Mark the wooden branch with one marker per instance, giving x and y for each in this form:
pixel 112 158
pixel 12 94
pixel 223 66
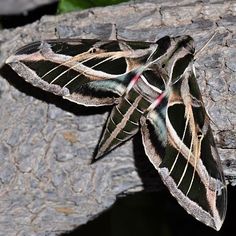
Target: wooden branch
pixel 46 181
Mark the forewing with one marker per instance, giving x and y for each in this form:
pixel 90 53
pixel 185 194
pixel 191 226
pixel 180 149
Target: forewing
pixel 88 72
pixel 183 151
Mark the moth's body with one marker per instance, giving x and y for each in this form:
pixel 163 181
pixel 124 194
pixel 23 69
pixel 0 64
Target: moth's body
pixel 138 99
pixel 153 88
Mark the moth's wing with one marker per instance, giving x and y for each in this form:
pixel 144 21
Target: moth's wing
pixel 154 134
pixel 179 143
pixel 88 72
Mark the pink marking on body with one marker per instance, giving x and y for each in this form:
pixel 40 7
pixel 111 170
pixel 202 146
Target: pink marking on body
pixel 157 101
pixel 159 98
pixel 133 81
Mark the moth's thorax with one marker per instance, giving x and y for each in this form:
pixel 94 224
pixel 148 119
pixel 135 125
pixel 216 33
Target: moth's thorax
pixel 145 88
pixel 176 55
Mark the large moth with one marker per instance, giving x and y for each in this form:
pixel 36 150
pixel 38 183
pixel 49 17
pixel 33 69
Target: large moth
pixel 152 87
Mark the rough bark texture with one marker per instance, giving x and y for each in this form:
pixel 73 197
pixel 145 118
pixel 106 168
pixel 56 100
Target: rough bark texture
pixel 47 185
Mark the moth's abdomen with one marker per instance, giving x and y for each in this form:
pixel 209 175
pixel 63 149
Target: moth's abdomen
pixel 123 123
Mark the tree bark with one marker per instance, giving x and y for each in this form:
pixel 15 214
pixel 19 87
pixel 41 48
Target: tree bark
pixel 47 184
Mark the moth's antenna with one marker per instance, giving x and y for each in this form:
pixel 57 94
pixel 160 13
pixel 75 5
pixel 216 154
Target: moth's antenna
pixel 114 32
pixel 206 44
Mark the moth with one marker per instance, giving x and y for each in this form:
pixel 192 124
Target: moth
pixel 152 87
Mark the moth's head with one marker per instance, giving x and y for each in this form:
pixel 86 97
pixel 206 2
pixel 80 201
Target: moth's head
pixel 175 56
pixel 185 42
pixel 168 44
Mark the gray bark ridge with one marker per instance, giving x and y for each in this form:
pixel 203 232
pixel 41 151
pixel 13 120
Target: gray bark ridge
pixel 47 184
